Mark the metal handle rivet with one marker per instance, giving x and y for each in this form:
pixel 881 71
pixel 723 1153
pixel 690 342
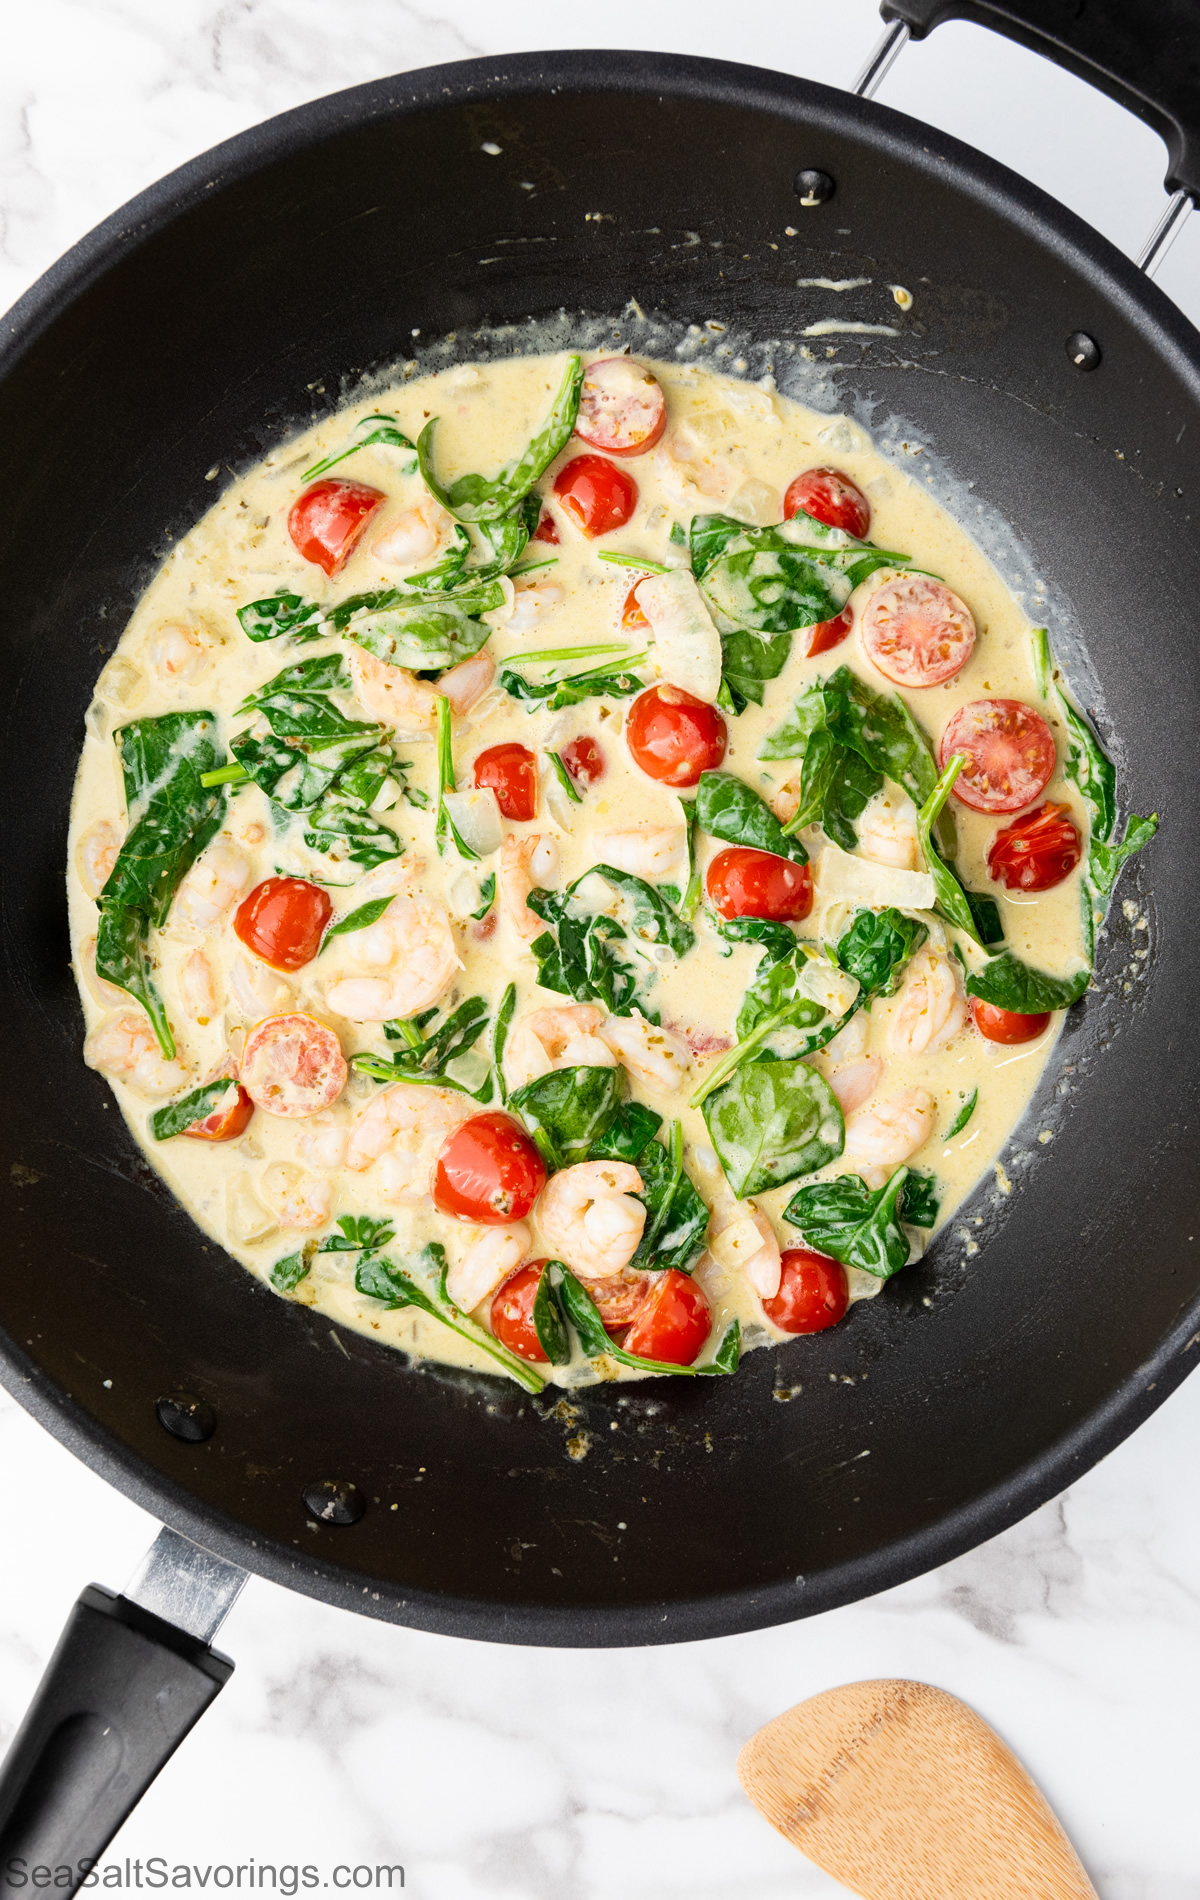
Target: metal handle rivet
pixel 1083 350
pixel 334 1501
pixel 186 1417
pixel 814 188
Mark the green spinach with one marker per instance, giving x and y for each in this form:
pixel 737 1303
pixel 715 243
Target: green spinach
pixel 576 958
pixel 281 613
pixel 425 639
pixel 553 695
pixel 568 1111
pixel 876 947
pixel 381 1279
pixel 177 1117
pixel 971 911
pixel 727 809
pixel 964 1115
pixel 676 1216
pixel 548 1321
pixel 482 498
pixel 360 919
pixel 861 1227
pixel 381 429
pixel 427 1057
pixel 1010 984
pixel 772 1121
pixel 627 1134
pixel 596 1342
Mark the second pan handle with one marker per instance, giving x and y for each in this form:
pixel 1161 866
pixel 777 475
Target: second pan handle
pixel 1145 54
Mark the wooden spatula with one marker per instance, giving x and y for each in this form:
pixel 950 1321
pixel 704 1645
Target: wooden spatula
pixel 901 1792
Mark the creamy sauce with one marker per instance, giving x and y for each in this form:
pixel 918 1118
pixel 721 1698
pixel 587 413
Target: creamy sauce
pixel 745 445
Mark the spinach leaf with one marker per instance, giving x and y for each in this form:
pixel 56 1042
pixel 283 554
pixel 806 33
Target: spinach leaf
pixel 1090 768
pixel 358 1233
pixel 651 917
pixel 487 896
pixel 772 589
pixel 748 661
pixel 424 639
pixel 921 1201
pixel 727 809
pixel 880 728
pixel 508 535
pixel 776 993
pixel 376 428
pixel 964 1115
pixel 861 1228
pixel 381 1279
pixel 287 1273
pixel 446 831
pixel 279 614
pixel 568 1110
pixel 341 825
pixel 1011 984
pixel 504 1016
pixel 295 773
pixel 850 786
pixel 596 1342
pixel 876 947
pixel 485 498
pixel 179 1116
pixel 553 695
pixel 676 1216
pixel 1043 665
pixel 850 739
pixel 325 673
pixel 1105 860
pixel 548 1321
pixel 360 919
pixel 772 1121
pixel 707 539
pixel 476 595
pixel 972 911
pixel 426 1058
pixel 564 778
pixel 121 937
pixel 578 960
pixel 777 939
pixel 627 1134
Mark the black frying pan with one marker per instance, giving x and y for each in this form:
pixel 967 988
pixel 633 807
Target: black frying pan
pixel 236 300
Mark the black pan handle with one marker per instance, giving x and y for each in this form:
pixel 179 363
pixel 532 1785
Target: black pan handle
pixel 1146 57
pixel 119 1694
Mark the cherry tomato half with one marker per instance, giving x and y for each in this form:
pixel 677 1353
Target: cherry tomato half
pixel 830 497
pixel 746 883
pixel 830 633
pixel 488 1170
pixel 512 1313
pixel 620 1297
pixel 673 1322
pixel 510 770
pixel 292 1066
pixel 622 409
pixel 283 921
pixel 916 631
pixel 1006 1025
pixel 546 531
pixel 229 1119
pixel 633 620
pixel 674 736
pixel 327 522
pixel 596 494
pixel 1037 852
pixel 583 759
pixel 1009 751
pixel 812 1292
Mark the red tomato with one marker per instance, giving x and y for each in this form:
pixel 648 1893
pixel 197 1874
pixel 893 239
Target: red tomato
pixel 673 1323
pixel 812 1292
pixel 746 883
pixel 1006 1025
pixel 1009 751
pixel 830 633
pixel 1037 852
pixel 229 1119
pixel 489 1171
pixel 829 497
pixel 583 759
pixel 622 409
pixel 327 522
pixel 620 1297
pixel 916 631
pixel 632 617
pixel 596 494
pixel 283 921
pixel 292 1066
pixel 510 770
pixel 512 1313
pixel 546 531
pixel 674 736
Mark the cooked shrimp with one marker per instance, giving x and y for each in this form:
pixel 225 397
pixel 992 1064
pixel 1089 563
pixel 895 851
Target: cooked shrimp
pixel 295 1197
pixel 414 536
pixel 402 1129
pixel 887 1131
pixel 124 1048
pixel 887 831
pixel 321 1142
pixel 643 850
pixel 198 987
pixel 589 1218
pixel 692 473
pixel 217 880
pixel 95 855
pixel 257 990
pixel 746 1240
pixel 930 1007
pixel 850 1041
pixel 106 993
pixel 394 696
pixel 653 1056
pixel 464 685
pixel 855 1082
pixel 177 653
pixel 498 1252
pixel 785 802
pixel 519 874
pixel 565 1038
pixel 410 956
pixel 532 603
pixel 398 876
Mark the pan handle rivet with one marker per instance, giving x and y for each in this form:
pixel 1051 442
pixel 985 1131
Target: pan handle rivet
pixel 334 1501
pixel 1083 350
pixel 186 1417
pixel 814 188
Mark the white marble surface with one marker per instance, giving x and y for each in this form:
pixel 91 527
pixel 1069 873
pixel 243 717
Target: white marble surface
pixel 530 1773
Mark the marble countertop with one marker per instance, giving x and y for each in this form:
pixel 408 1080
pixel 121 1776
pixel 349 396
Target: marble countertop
pixel 491 1771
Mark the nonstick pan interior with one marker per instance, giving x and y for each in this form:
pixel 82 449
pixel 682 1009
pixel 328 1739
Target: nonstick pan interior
pixel 240 298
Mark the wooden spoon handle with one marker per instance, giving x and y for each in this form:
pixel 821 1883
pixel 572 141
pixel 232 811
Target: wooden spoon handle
pixel 901 1792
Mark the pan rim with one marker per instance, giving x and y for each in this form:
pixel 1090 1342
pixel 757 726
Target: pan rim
pixel 1120 284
